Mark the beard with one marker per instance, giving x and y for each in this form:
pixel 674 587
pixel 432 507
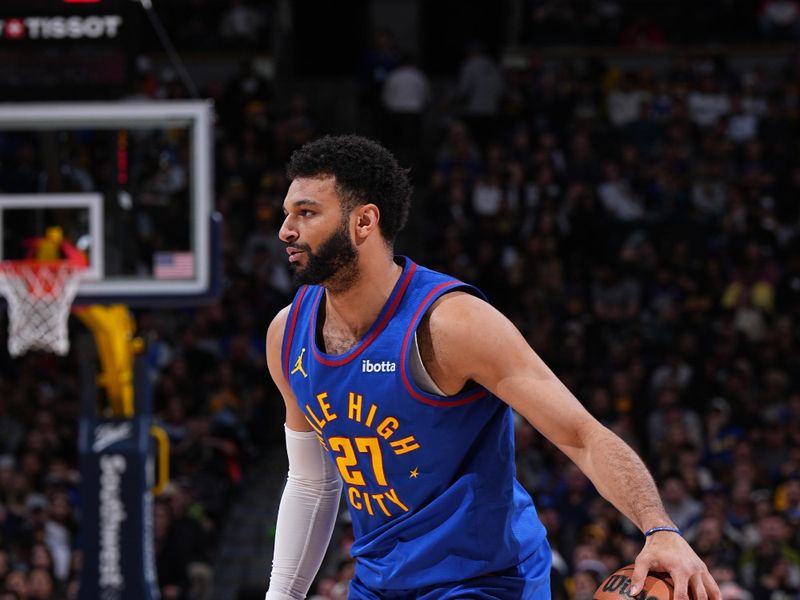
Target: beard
pixel 334 264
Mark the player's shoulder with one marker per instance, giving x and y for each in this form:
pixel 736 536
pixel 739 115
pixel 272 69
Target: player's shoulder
pixel 453 335
pixel 454 314
pixel 460 316
pixel 456 305
pixel 278 326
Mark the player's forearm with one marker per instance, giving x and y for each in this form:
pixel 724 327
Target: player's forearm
pixel 306 517
pixel 621 478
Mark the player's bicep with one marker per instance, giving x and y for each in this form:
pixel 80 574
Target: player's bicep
pixel 295 419
pixel 474 339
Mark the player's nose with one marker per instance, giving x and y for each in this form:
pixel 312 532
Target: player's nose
pixel 288 232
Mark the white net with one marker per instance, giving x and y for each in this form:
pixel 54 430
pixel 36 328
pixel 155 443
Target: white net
pixel 39 296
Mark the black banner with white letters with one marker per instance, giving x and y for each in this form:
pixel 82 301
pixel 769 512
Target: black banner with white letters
pixel 66 49
pixel 117 503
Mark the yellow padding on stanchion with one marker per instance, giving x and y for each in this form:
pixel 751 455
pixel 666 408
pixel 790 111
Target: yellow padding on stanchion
pixel 163 459
pixel 113 328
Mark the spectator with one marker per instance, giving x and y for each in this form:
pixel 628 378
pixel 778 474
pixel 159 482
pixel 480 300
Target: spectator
pixel 742 124
pixel 682 508
pixel 722 434
pixel 589 574
pixel 617 196
pixel 772 565
pixel 713 541
pixel 731 590
pixel 242 24
pixel 707 105
pixel 406 93
pixel 60 529
pixel 376 64
pixel 709 192
pixel 295 128
pixel 188 541
pixel 752 284
pixel 779 19
pixel 625 102
pixel 615 298
pixel 17 582
pixel 40 584
pixel 458 155
pixel 480 87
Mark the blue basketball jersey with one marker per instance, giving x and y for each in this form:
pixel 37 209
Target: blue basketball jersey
pixel 430 480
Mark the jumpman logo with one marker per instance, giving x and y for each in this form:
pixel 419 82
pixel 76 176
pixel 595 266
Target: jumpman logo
pixel 298 364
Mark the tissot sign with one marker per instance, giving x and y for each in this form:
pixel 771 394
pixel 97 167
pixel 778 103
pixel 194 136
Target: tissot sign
pixel 52 50
pixel 59 28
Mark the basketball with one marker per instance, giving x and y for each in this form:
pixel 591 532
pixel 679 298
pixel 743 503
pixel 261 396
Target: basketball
pixel 657 586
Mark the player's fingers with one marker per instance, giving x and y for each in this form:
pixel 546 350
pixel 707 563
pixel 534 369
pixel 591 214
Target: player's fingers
pixel 640 569
pixel 681 586
pixel 712 589
pixel 698 586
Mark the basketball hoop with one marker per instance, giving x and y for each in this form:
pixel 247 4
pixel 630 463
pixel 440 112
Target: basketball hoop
pixel 39 296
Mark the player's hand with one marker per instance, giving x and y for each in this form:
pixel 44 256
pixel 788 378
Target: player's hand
pixel 669 553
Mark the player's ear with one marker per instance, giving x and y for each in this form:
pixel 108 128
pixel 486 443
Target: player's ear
pixel 367 218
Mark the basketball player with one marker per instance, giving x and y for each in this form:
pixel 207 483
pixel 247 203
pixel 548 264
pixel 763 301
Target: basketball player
pixel 399 383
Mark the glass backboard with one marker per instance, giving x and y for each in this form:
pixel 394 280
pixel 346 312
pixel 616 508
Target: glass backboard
pixel 129 184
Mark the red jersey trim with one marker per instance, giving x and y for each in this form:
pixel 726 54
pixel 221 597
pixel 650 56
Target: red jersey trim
pixel 383 321
pixel 288 334
pixel 424 397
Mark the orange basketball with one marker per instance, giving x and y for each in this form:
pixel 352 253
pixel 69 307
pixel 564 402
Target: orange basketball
pixel 657 586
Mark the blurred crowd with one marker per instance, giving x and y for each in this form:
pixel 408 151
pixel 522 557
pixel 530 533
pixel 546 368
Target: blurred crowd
pixel 640 227
pixel 249 25
pixel 655 23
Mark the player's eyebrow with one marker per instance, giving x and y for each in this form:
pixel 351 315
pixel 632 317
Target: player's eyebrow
pixel 301 202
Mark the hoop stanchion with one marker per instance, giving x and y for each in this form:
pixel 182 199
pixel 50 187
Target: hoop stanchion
pixel 113 328
pixel 39 295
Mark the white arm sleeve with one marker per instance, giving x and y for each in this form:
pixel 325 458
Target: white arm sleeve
pixel 306 516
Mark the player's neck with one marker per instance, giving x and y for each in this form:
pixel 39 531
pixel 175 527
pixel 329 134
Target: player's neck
pixel 358 306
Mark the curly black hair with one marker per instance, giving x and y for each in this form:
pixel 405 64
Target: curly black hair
pixel 365 172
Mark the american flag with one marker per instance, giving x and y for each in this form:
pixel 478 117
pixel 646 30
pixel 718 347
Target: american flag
pixel 173 265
